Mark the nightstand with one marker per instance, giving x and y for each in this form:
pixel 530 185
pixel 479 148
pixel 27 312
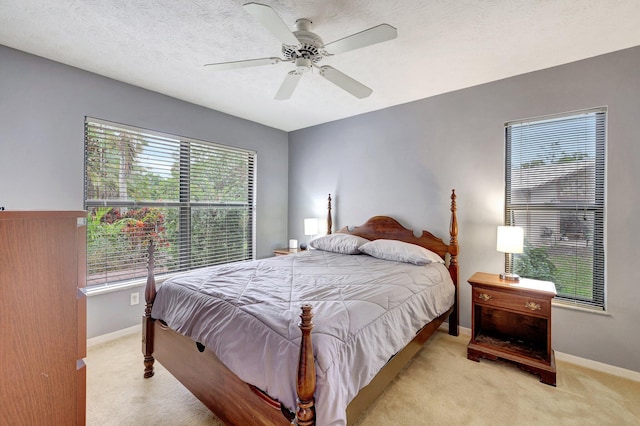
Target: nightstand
pixel 512 320
pixel 285 251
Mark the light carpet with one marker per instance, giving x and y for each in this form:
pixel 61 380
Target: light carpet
pixel 439 387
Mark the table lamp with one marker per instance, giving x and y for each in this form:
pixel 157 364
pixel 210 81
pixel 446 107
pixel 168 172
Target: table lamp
pixel 510 240
pixel 310 228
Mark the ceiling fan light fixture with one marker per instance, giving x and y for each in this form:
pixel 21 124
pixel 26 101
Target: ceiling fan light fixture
pixel 303 65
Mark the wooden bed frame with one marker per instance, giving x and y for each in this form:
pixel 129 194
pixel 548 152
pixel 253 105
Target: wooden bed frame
pixel 238 403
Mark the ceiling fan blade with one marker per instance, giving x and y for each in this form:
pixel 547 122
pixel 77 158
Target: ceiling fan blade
pixel 382 32
pixel 271 21
pixel 243 64
pixel 345 82
pixel 288 85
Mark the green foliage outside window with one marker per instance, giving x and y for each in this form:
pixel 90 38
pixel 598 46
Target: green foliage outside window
pixel 535 263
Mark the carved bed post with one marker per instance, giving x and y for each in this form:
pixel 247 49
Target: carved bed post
pixel 454 318
pixel 329 221
pixel 147 322
pixel 306 384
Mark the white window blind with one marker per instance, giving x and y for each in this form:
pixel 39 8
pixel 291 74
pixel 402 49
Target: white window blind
pixel 555 171
pixel 194 199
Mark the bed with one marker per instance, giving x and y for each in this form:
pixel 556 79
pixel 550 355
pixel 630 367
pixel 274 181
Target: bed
pixel 231 334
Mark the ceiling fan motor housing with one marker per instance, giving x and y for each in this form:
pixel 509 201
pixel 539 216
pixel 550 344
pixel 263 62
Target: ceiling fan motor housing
pixel 310 46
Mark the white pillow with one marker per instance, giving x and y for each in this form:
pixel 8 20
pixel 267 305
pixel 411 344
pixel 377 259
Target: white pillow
pixel 400 251
pixel 339 243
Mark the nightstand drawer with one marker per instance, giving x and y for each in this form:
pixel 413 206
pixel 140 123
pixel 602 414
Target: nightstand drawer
pixel 513 302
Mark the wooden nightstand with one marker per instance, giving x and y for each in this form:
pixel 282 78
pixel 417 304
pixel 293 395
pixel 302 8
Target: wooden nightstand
pixel 285 251
pixel 512 320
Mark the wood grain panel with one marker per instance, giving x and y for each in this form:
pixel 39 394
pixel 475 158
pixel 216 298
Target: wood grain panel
pixel 39 318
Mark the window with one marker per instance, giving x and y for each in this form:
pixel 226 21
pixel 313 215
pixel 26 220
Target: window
pixel 555 170
pixel 194 199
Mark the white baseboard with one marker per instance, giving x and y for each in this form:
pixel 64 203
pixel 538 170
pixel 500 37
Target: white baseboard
pixel 599 366
pixel 465 331
pixel 576 360
pixel 113 336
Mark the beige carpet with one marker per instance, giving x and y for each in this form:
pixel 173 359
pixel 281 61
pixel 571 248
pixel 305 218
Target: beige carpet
pixel 440 387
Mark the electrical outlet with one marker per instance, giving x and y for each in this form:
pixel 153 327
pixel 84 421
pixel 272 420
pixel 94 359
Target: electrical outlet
pixel 135 298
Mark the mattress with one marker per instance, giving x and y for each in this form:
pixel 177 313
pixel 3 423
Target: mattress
pixel 365 310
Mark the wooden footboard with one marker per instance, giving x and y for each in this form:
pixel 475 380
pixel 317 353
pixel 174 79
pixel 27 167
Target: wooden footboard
pixel 232 400
pixel 237 403
pixel 199 370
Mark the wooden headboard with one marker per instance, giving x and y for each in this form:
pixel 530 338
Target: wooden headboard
pixel 385 227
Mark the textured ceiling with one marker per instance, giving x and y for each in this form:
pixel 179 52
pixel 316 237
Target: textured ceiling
pixel 442 45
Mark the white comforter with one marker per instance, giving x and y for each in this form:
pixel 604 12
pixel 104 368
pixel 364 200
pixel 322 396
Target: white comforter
pixel 365 310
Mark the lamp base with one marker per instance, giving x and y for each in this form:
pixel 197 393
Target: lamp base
pixel 509 277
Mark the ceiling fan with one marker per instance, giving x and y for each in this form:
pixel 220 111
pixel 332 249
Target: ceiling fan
pixel 305 49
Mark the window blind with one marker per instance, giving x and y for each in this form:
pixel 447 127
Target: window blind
pixel 555 172
pixel 194 199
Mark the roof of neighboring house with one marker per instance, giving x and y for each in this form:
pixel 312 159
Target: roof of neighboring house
pixel 535 177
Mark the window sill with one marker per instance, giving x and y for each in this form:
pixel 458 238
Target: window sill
pixel 575 307
pixel 125 285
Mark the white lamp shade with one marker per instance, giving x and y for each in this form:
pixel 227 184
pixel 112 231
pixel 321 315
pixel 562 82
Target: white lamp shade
pixel 311 226
pixel 510 239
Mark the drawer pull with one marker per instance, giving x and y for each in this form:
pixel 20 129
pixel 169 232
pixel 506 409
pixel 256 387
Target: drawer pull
pixel 533 306
pixel 484 296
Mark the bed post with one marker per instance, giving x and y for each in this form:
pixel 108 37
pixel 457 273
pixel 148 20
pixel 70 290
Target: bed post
pixel 306 384
pixel 329 221
pixel 454 318
pixel 147 322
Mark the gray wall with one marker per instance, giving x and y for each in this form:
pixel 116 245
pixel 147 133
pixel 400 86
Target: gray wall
pixel 42 110
pixel 403 161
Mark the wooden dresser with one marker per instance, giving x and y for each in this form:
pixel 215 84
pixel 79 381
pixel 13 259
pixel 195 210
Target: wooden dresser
pixel 42 317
